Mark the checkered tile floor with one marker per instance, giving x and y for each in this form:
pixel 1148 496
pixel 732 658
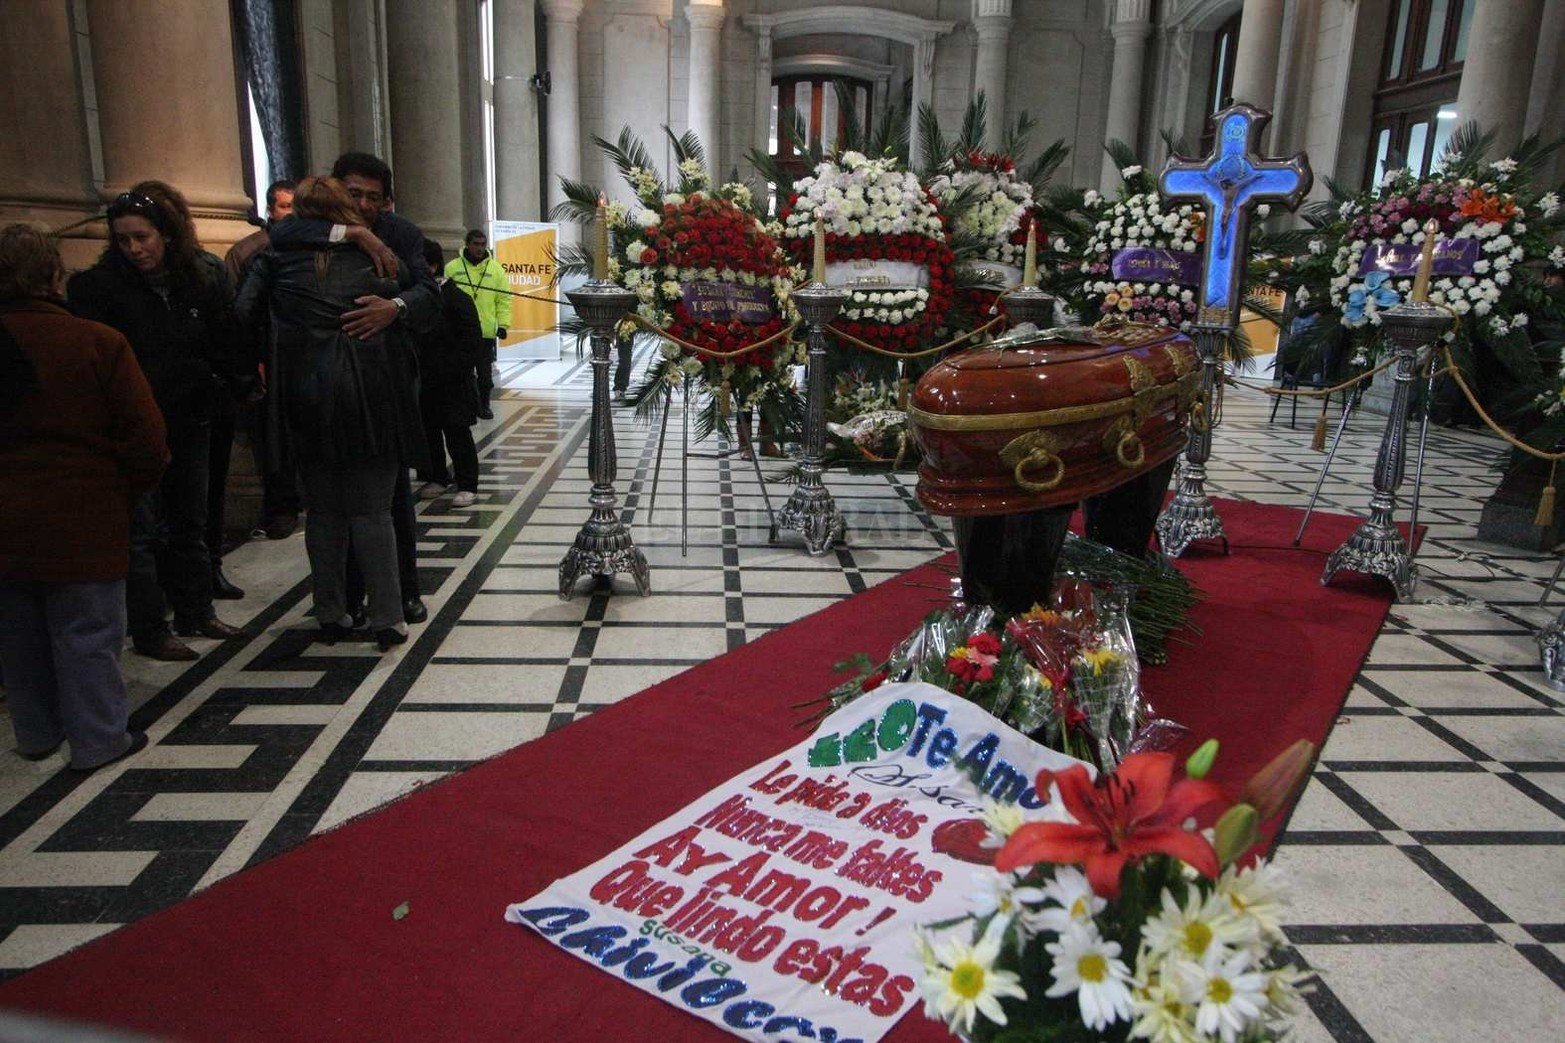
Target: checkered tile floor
pixel 1429 849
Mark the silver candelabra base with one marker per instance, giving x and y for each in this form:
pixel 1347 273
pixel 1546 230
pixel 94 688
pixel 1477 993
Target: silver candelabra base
pixel 1190 516
pixel 811 511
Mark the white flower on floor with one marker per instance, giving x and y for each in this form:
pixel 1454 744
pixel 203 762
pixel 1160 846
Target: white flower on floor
pixel 1194 931
pixel 1227 992
pixel 1089 966
pixel 1072 902
pixel 1002 820
pixel 961 982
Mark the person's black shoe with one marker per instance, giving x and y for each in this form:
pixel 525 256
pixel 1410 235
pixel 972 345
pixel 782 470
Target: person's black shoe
pixel 413 610
pixel 331 633
pixel 222 589
pixel 358 617
pixel 386 639
pixel 214 628
pixel 485 413
pixel 39 755
pixel 138 742
pixel 166 649
pixel 281 526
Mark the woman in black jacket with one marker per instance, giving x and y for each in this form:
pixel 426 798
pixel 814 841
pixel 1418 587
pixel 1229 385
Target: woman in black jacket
pixel 173 302
pixel 348 408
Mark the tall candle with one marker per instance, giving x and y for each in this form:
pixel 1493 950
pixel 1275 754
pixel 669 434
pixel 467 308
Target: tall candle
pixel 1426 262
pixel 819 274
pixel 600 248
pixel 1030 271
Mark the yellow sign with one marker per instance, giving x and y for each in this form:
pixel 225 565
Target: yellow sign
pixel 526 252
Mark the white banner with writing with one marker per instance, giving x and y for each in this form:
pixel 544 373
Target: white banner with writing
pixel 780 905
pixel 864 273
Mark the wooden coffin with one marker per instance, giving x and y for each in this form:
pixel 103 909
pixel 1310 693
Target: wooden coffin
pixel 1047 418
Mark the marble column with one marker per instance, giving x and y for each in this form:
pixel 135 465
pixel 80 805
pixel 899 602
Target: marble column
pixel 46 174
pixel 1256 56
pixel 426 114
pixel 763 89
pixel 1497 75
pixel 1132 25
pixel 706 33
pixel 923 92
pixel 154 122
pixel 517 195
pixel 563 107
pixel 1545 114
pixel 992 25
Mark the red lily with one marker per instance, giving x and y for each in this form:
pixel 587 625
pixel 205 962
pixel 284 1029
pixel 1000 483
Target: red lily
pixel 1123 817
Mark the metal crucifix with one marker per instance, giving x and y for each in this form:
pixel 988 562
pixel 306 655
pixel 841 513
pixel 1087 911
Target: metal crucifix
pixel 1228 184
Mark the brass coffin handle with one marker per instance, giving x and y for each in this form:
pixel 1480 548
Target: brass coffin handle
pixel 1042 458
pixel 1130 442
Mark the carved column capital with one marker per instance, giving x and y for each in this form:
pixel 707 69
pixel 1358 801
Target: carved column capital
pixel 562 11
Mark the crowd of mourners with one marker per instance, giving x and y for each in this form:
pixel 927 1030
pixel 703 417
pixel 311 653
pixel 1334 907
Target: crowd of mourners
pixel 337 337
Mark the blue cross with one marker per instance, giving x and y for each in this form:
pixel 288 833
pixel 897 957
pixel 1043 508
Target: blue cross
pixel 1228 184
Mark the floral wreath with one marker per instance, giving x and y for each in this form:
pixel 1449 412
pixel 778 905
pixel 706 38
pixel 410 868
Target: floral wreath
pixel 700 238
pixel 1137 219
pixel 999 207
pixel 875 210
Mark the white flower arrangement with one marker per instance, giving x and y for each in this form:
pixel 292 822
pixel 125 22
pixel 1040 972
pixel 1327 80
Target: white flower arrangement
pixel 1001 201
pixel 1138 220
pixel 857 190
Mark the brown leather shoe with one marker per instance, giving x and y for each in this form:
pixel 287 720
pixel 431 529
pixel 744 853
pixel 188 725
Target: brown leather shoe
pixel 214 628
pixel 166 649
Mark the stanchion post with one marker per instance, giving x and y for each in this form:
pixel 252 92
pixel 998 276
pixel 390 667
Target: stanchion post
pixel 810 510
pixel 604 546
pixel 1376 546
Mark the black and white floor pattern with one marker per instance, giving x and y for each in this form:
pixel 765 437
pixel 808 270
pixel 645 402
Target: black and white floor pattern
pixel 1428 852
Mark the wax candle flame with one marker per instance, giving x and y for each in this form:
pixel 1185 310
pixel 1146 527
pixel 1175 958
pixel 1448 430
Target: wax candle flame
pixel 600 247
pixel 819 273
pixel 1030 270
pixel 1426 262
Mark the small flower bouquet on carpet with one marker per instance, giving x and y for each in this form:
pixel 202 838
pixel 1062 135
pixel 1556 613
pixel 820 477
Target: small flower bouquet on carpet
pixel 1066 674
pixel 1121 913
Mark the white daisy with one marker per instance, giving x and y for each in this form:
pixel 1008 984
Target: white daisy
pixel 996 894
pixel 1259 893
pixel 1190 932
pixel 1227 992
pixel 962 982
pixel 1161 1014
pixel 1072 902
pixel 1089 966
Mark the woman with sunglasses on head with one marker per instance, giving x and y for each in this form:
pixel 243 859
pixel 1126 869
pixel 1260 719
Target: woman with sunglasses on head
pixel 173 302
pixel 349 414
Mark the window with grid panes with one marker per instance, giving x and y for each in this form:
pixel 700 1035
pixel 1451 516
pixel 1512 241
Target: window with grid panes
pixel 1421 69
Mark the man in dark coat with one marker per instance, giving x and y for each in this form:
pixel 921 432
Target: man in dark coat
pixel 449 353
pixel 388 238
pixel 274 457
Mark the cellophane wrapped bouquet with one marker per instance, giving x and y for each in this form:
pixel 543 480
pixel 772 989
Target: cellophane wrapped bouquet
pixel 1122 911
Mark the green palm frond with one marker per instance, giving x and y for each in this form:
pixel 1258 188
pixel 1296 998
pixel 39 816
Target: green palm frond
pixel 1014 142
pixel 580 203
pixel 975 124
pixel 686 146
pixel 931 139
pixel 572 259
pixel 1122 154
pixel 1040 172
pixel 1466 147
pixel 893 136
pixel 1531 154
pixel 1177 144
pixel 1240 351
pixel 627 153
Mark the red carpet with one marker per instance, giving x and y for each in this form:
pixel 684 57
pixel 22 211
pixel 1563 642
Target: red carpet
pixel 304 947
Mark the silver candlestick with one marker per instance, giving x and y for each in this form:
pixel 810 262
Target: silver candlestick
pixel 1191 516
pixel 811 510
pixel 604 546
pixel 1551 649
pixel 1376 546
pixel 1028 304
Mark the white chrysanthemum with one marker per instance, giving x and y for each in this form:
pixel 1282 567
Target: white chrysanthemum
pixel 961 981
pixel 1089 966
pixel 1259 893
pixel 1192 931
pixel 1227 992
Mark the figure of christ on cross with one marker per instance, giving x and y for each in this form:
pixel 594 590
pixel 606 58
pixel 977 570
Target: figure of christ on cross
pixel 1228 184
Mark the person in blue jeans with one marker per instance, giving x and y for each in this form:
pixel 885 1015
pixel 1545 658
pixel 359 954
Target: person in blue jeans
pixel 81 439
